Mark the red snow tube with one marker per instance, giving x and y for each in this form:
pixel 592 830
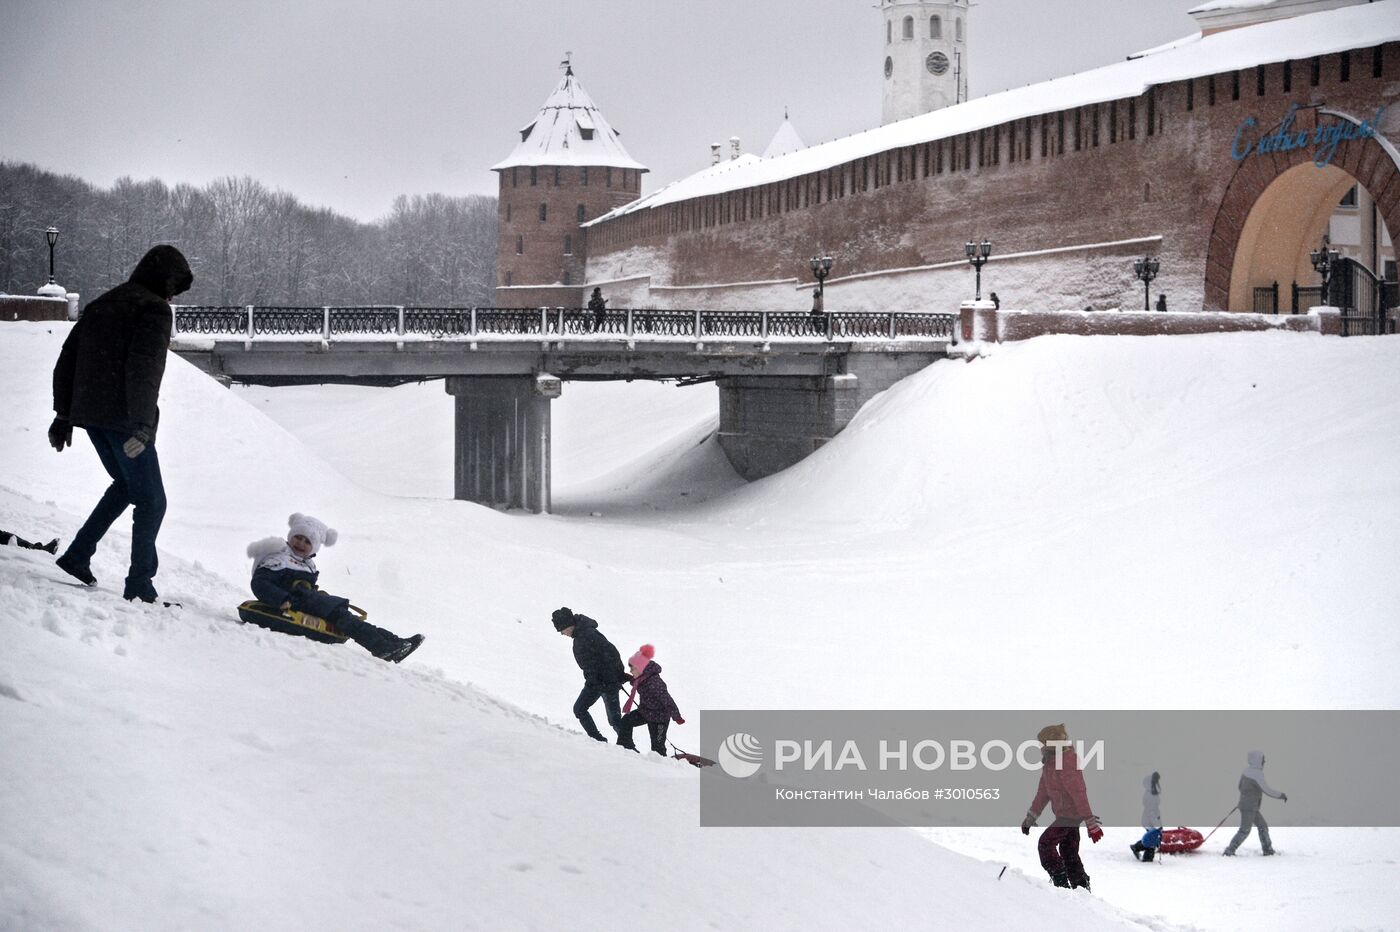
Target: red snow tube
pixel 1178 840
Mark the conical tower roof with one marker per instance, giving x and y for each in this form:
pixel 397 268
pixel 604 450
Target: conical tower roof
pixel 569 130
pixel 785 140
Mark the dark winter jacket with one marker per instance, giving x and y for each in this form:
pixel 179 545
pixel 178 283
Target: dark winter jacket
pixel 1062 787
pixel 282 576
pixel 596 656
pixel 654 699
pixel 109 371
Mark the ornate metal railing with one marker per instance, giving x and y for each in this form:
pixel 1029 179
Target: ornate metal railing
pixel 636 324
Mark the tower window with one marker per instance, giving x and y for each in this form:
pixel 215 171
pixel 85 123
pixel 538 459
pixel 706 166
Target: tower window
pixel 609 176
pixel 1316 77
pixel 583 176
pixel 568 246
pixel 534 175
pixel 889 32
pixel 1234 85
pixel 520 245
pixel 960 29
pixel 556 176
pixel 544 212
pixel 1346 66
pixel 507 211
pixel 1287 76
pixel 514 178
pixel 581 213
pixel 935 27
pixel 1348 199
pixel 908 27
pixel 509 278
pixel 566 278
pixel 1259 81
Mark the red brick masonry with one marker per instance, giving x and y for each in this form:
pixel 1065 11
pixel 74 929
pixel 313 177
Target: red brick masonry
pixel 30 307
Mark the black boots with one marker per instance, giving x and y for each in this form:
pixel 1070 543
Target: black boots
pixel 1148 854
pixel 1060 880
pixel 78 571
pixel 1137 849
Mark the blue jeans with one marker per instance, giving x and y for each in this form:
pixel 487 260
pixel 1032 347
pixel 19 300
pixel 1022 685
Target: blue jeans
pixel 135 482
pixel 611 707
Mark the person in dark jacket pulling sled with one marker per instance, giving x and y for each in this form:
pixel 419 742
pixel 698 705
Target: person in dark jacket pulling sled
pixel 285 576
pixel 1062 786
pixel 603 674
pixel 656 709
pixel 107 381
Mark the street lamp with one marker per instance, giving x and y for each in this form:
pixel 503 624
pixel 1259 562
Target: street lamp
pixel 821 268
pixel 977 254
pixel 1146 269
pixel 51 234
pixel 1322 261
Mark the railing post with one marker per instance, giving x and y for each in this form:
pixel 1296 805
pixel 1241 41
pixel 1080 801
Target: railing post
pixel 250 321
pixel 630 326
pixel 828 325
pixel 400 307
pixel 473 323
pixel 326 323
pixel 697 326
pixel 893 331
pixel 763 325
pixel 544 321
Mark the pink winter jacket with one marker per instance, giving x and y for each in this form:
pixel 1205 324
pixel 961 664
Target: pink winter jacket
pixel 1062 787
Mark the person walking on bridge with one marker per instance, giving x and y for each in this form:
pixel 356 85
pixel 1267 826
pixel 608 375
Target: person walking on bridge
pixel 107 381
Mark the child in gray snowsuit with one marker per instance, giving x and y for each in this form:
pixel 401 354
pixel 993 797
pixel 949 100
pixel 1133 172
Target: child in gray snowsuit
pixel 1253 788
pixel 1146 849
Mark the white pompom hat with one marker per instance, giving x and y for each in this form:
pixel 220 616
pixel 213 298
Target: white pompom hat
pixel 313 530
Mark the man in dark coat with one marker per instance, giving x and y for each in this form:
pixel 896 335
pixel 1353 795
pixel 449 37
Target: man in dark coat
pixel 603 673
pixel 107 381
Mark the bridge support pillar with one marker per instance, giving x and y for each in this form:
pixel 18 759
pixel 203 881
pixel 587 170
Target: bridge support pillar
pixel 501 455
pixel 768 423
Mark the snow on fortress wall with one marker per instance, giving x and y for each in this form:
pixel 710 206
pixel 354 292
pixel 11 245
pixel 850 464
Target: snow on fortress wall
pixel 1070 180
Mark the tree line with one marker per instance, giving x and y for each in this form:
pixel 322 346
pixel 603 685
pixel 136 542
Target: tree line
pixel 246 243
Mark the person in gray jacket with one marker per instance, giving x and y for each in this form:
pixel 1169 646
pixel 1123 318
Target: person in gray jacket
pixel 1146 849
pixel 1253 788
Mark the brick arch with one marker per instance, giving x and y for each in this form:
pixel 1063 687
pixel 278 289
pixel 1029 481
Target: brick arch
pixel 1372 163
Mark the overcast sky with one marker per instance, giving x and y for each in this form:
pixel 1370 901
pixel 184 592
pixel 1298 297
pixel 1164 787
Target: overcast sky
pixel 346 103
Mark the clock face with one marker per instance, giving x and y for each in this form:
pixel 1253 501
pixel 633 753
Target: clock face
pixel 936 63
pixel 889 66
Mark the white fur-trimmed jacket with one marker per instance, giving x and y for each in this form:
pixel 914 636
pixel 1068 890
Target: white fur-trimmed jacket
pixel 276 570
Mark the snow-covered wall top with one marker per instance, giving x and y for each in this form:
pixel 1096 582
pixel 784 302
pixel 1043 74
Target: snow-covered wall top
pixel 569 130
pixel 1321 33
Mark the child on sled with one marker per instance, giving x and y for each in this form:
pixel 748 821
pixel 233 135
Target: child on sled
pixel 284 576
pixel 656 709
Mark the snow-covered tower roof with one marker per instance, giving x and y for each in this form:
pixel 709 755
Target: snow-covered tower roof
pixel 569 130
pixel 785 140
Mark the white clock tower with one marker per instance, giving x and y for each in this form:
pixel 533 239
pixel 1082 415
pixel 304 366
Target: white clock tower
pixel 925 61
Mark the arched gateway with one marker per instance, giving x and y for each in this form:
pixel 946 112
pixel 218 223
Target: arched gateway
pixel 1279 203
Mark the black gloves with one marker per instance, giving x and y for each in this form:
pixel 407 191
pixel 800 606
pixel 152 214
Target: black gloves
pixel 61 433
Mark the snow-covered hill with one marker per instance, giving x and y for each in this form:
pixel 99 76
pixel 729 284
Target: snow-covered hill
pixel 1221 507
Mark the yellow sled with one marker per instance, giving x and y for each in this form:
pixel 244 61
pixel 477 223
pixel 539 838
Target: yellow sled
pixel 294 622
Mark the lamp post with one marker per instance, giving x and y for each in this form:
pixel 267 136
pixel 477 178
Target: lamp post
pixel 1322 261
pixel 51 234
pixel 978 254
pixel 1146 269
pixel 821 268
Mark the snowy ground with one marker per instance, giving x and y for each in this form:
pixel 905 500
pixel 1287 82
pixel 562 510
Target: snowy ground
pixel 1221 507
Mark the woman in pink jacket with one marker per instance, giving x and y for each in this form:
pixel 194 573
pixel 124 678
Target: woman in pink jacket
pixel 1062 786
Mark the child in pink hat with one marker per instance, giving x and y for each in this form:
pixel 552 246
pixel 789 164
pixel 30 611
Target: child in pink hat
pixel 656 708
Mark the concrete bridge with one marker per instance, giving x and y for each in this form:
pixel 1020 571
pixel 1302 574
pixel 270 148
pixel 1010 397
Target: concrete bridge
pixel 789 381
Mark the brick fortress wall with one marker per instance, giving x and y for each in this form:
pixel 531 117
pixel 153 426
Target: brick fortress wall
pixel 540 262
pixel 1152 173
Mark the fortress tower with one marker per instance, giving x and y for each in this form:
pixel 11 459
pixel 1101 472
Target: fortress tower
pixel 568 167
pixel 925 56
